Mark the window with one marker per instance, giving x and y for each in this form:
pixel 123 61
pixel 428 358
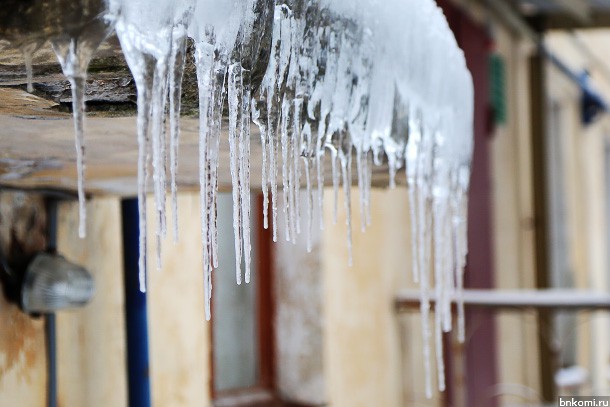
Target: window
pixel 242 332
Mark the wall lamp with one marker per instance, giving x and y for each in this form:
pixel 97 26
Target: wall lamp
pixel 47 284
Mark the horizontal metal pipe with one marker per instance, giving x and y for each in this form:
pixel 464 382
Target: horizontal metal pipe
pixel 553 299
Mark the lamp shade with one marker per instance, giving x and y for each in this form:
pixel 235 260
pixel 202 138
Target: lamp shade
pixel 52 283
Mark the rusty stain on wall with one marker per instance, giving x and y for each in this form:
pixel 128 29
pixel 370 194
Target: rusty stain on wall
pixel 22 234
pixel 21 342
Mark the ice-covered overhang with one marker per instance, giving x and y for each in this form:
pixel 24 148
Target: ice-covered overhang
pixel 37 138
pixel 37 131
pixel 339 90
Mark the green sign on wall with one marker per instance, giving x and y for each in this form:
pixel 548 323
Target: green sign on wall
pixel 497 78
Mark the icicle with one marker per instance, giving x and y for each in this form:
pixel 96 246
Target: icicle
pixel 449 279
pixel 78 108
pixel 204 58
pixel 296 171
pixel 411 172
pixel 360 174
pixel 423 252
pixel 143 76
pixel 234 100
pixel 426 335
pixel 285 175
pixel 336 179
pixel 392 172
pixel 440 363
pixel 346 168
pixel 273 158
pixel 292 187
pixel 309 193
pixel 27 51
pixel 460 234
pixel 244 170
pixel 259 118
pixel 439 307
pixel 177 62
pixel 74 54
pixel 319 152
pixel 218 98
pixel 158 149
pixel 368 173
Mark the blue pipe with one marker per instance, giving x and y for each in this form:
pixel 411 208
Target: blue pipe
pixel 135 310
pixel 592 103
pixel 49 319
pixel 51 342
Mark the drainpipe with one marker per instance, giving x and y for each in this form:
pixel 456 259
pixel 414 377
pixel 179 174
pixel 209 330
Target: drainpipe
pixel 539 140
pixel 135 310
pixel 49 319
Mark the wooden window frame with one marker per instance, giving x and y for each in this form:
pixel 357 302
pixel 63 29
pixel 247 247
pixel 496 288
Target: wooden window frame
pixel 264 393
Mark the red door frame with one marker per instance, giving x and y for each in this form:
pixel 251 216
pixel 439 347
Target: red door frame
pixel 480 348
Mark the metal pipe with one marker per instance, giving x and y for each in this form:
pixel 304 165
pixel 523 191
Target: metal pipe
pixel 51 347
pixel 553 299
pixel 135 310
pixel 518 26
pixel 49 319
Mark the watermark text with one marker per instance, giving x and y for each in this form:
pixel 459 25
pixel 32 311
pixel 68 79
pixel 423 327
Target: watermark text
pixel 580 401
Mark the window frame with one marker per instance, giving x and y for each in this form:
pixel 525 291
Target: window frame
pixel 263 394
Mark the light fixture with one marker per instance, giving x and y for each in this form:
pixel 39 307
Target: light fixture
pixel 46 283
pixel 52 283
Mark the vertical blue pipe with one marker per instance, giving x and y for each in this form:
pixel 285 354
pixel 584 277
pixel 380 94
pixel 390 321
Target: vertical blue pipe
pixel 51 342
pixel 135 310
pixel 49 319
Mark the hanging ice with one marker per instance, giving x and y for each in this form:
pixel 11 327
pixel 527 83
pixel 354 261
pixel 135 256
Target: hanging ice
pixel 74 49
pixel 384 82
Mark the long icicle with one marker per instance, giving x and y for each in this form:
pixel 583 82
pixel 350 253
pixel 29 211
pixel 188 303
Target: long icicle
pixel 244 170
pixel 234 99
pixel 177 63
pixel 73 60
pixel 204 57
pixel 158 147
pixel 285 163
pixel 78 103
pixel 346 167
pixel 260 119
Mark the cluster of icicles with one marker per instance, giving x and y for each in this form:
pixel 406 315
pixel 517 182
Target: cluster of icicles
pixel 381 81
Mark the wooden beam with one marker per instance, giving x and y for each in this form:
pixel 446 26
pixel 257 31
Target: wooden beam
pixel 538 103
pixel 509 17
pixel 580 10
pixel 565 21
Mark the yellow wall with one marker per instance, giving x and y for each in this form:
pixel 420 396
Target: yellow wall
pixel 585 182
pixel 91 341
pixel 513 225
pixel 364 338
pixel 179 333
